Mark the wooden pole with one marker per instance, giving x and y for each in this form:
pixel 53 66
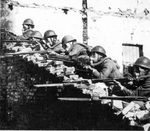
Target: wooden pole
pixel 85 21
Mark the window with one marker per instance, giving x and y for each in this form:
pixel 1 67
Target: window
pixel 130 54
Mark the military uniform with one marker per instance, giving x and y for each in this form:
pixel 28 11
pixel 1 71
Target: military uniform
pixel 78 49
pixel 57 46
pixel 143 88
pixel 106 68
pixel 36 44
pixel 26 35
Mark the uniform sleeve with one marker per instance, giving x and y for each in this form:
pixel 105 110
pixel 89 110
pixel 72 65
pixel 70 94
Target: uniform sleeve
pixel 105 72
pixel 129 92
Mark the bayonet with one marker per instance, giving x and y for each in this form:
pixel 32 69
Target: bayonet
pixel 55 85
pixel 74 99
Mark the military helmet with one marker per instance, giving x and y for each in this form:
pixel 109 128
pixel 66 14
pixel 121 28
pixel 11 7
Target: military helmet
pixel 143 62
pixel 36 34
pixel 28 22
pixel 28 33
pixel 49 33
pixel 99 50
pixel 67 38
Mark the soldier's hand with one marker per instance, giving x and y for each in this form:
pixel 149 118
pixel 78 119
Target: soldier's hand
pixel 119 84
pixel 130 78
pixel 88 67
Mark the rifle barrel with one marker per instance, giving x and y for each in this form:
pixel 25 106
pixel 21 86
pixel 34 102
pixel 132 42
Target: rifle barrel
pixel 73 82
pixel 110 80
pixel 51 54
pixel 99 80
pixel 24 53
pixel 16 41
pixel 135 98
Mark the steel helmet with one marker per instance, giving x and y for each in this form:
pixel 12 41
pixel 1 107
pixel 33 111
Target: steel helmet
pixel 99 50
pixel 28 33
pixel 28 22
pixel 36 34
pixel 49 33
pixel 67 38
pixel 143 62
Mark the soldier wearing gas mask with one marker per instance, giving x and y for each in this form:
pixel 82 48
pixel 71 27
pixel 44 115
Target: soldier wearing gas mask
pixel 28 24
pixel 103 66
pixel 142 75
pixel 73 48
pixel 51 42
pixel 36 38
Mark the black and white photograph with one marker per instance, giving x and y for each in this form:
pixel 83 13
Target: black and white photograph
pixel 75 65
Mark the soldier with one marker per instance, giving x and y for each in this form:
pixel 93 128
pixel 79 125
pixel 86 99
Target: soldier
pixel 103 66
pixel 26 35
pixel 36 37
pixel 141 69
pixel 22 45
pixel 51 42
pixel 27 30
pixel 72 48
pixel 27 25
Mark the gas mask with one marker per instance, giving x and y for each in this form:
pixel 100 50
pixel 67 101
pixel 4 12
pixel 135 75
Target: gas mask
pixel 139 71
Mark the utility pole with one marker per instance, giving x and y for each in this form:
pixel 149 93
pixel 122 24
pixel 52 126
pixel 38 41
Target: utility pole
pixel 85 21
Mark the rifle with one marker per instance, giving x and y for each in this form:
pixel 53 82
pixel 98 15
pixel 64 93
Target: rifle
pixel 129 98
pixel 16 41
pixel 7 32
pixel 82 81
pixel 100 80
pixel 21 53
pixel 27 53
pixel 75 82
pixel 52 56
